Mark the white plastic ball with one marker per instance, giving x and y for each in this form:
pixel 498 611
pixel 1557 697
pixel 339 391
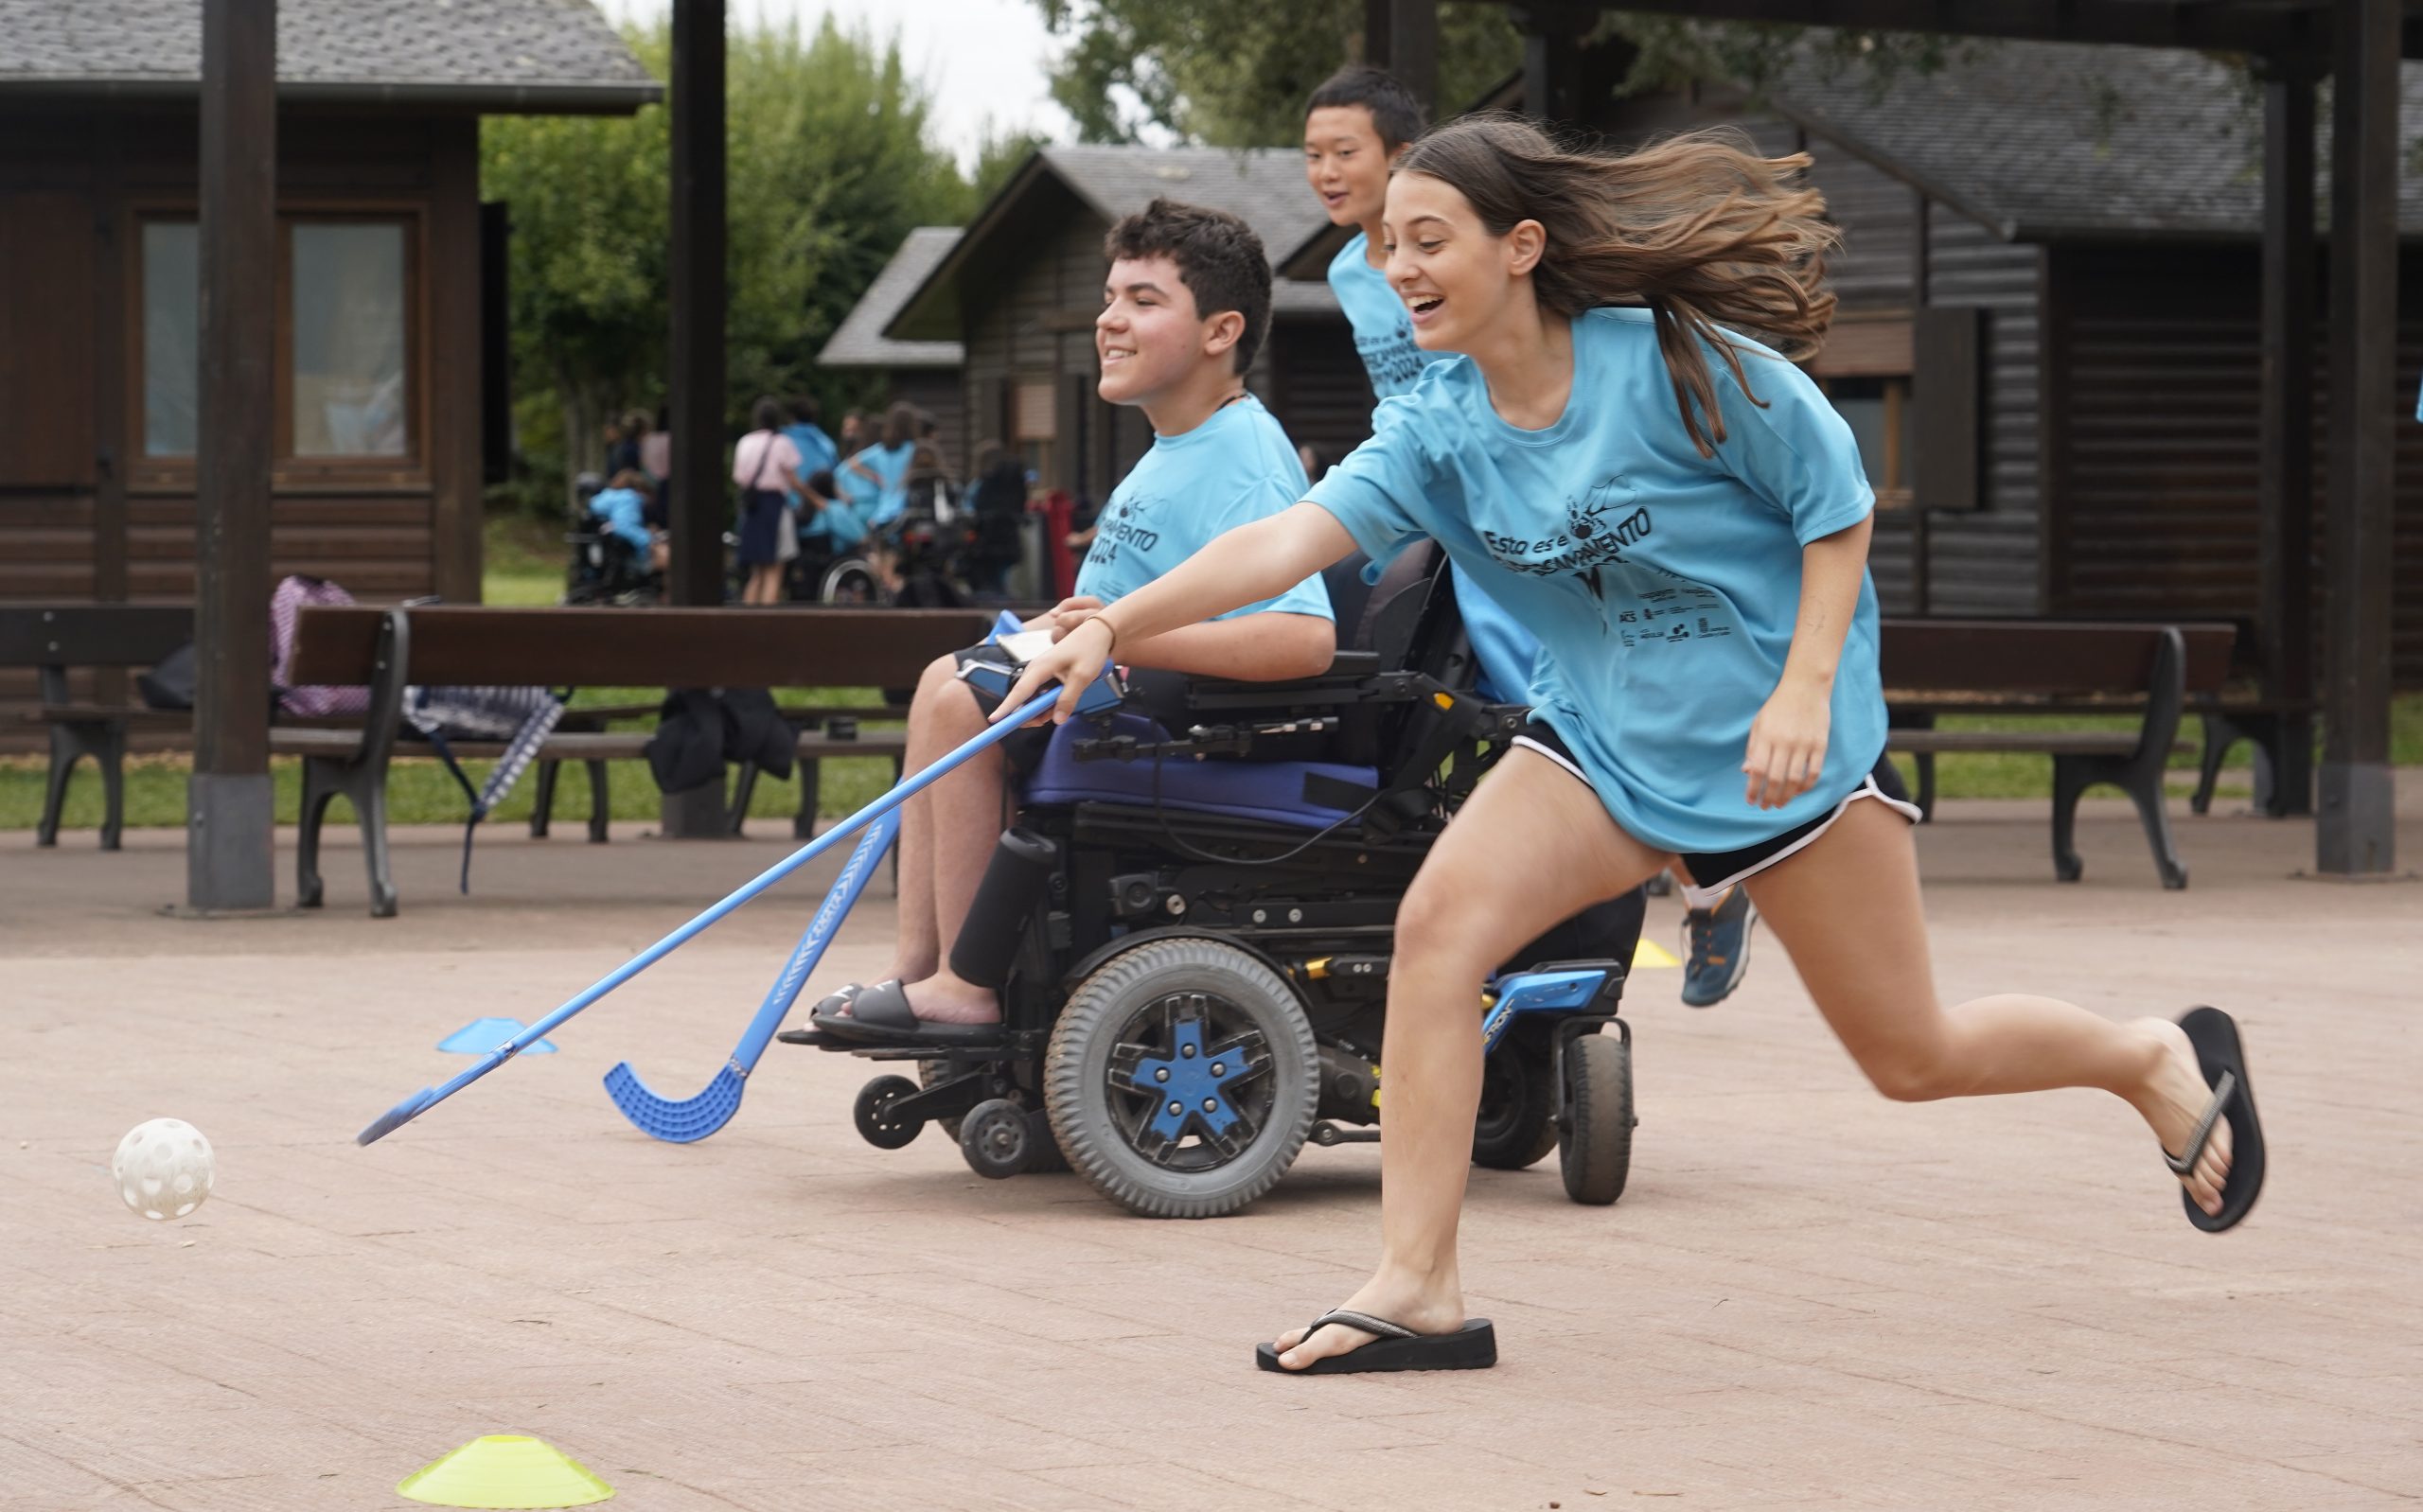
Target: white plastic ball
pixel 164 1168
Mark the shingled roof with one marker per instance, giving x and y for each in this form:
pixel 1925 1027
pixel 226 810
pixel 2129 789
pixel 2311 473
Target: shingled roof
pixel 496 56
pixel 2041 139
pixel 860 342
pixel 1262 187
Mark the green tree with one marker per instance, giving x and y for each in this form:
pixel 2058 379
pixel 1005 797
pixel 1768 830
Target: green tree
pixel 829 161
pixel 1234 73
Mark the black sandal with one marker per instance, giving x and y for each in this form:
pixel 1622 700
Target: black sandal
pixel 2221 1058
pixel 881 1015
pixel 1474 1347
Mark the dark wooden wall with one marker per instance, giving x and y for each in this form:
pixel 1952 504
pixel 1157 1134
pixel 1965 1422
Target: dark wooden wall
pixel 83 515
pixel 2154 506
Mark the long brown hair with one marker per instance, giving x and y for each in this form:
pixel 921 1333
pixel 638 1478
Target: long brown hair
pixel 1700 228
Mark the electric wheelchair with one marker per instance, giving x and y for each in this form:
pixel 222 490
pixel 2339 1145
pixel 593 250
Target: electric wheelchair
pixel 1191 929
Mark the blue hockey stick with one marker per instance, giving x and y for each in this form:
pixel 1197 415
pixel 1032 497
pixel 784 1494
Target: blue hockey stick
pixel 427 1097
pixel 694 1119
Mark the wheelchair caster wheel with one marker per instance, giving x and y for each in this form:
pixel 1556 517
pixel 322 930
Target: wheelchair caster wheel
pixel 872 1113
pixel 1595 1149
pixel 995 1136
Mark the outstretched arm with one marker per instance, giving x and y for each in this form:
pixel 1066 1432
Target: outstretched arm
pixel 1787 750
pixel 1246 565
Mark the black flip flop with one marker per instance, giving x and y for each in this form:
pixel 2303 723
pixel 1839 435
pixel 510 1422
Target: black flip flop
pixel 2222 1061
pixel 1474 1347
pixel 832 1003
pixel 881 1015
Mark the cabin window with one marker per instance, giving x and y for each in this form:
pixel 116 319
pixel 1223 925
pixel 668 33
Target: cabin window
pixel 171 337
pixel 1034 425
pixel 1878 410
pixel 346 339
pixel 344 371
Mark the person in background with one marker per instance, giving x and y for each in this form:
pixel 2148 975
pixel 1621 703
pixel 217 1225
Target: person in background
pixel 853 432
pixel 622 450
pixel 811 524
pixel 1314 464
pixel 656 460
pixel 622 507
pixel 874 483
pixel 997 501
pixel 765 466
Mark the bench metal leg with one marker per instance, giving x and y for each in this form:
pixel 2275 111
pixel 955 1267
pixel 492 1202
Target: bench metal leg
pixel 66 750
pixel 804 822
pixel 2069 781
pixel 317 791
pixel 542 799
pixel 744 787
pixel 369 796
pixel 2220 733
pixel 112 755
pixel 601 808
pixel 2142 782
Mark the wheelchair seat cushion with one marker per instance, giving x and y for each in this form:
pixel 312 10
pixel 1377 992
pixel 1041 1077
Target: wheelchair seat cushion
pixel 1272 792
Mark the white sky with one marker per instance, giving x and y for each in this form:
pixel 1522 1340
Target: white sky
pixel 981 60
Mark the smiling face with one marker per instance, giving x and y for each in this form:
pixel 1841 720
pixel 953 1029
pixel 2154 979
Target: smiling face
pixel 1148 337
pixel 1457 280
pixel 1344 162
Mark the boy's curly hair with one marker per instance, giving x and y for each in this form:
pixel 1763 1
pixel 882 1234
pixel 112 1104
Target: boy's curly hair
pixel 1219 259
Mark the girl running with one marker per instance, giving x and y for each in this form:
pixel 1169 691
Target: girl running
pixel 1677 515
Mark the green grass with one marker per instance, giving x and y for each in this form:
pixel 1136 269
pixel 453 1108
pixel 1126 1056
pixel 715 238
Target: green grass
pixel 526 566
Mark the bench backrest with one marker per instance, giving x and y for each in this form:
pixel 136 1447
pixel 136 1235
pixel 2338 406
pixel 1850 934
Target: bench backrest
pixel 461 644
pixel 2044 657
pixel 92 635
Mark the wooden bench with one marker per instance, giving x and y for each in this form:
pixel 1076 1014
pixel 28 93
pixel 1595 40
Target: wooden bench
pixel 57 639
pixel 2034 667
pixel 440 644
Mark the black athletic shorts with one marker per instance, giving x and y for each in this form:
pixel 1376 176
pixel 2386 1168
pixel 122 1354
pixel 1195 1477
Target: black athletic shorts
pixel 1714 872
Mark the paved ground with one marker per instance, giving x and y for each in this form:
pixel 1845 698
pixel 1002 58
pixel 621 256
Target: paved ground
pixel 1807 1298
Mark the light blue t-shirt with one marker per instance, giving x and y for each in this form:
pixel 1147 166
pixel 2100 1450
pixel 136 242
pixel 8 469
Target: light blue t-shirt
pixel 623 511
pixel 1663 586
pixel 878 503
pixel 816 451
pixel 1234 469
pixel 1383 339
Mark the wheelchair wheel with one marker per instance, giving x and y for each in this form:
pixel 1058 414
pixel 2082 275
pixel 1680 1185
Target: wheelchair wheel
pixel 1043 1154
pixel 1183 1078
pixel 1596 1150
pixel 1518 1124
pixel 872 1113
pixel 849 581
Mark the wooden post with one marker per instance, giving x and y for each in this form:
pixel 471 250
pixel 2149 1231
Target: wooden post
pixel 696 506
pixel 1402 36
pixel 2284 530
pixel 2356 833
pixel 228 840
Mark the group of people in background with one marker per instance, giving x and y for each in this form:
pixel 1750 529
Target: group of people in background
pixel 879 490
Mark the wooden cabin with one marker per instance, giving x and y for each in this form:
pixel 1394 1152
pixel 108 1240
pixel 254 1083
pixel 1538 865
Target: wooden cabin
pixel 389 273
pixel 929 374
pixel 1019 290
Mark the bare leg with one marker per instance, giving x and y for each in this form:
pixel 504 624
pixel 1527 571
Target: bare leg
pixel 947 835
pixel 1531 847
pixel 1848 911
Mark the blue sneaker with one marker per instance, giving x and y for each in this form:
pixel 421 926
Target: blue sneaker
pixel 1718 942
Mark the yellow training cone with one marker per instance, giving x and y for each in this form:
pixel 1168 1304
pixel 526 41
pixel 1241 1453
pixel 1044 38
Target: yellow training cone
pixel 1649 952
pixel 505 1471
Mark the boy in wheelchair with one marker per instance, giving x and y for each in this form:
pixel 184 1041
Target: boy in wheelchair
pixel 1187 303
pixel 1169 920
